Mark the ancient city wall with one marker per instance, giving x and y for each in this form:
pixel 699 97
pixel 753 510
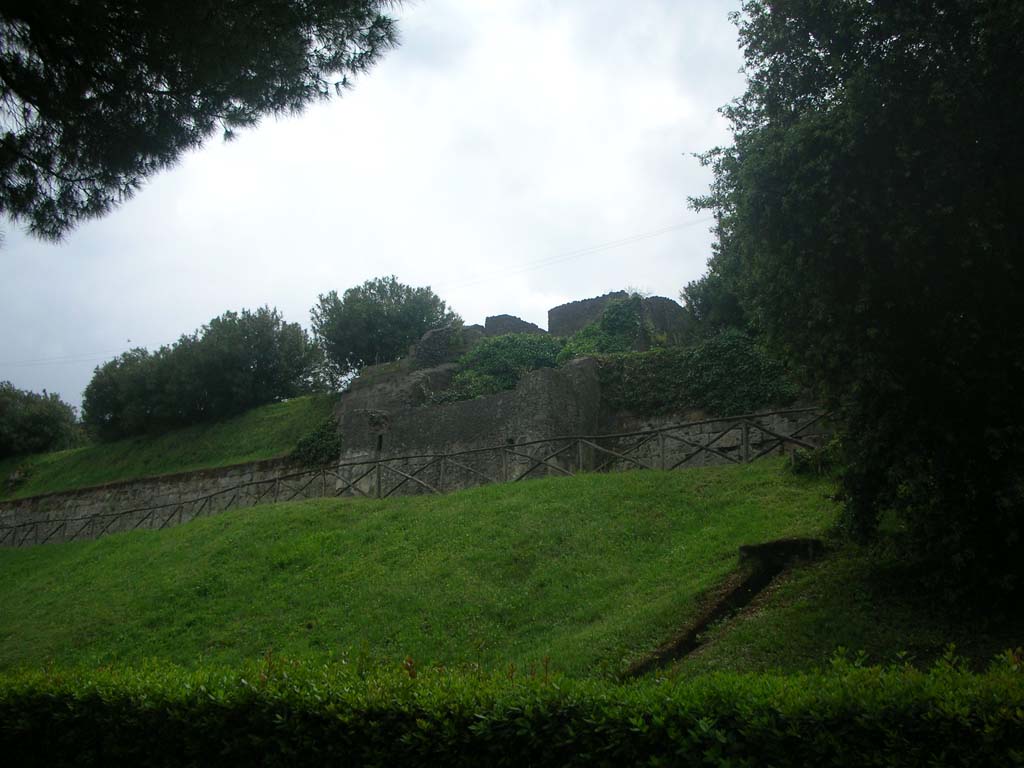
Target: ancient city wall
pixel 399 440
pixel 149 503
pixel 566 319
pixel 408 466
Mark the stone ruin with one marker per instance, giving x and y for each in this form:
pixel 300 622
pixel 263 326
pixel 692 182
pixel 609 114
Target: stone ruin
pixel 389 418
pixel 388 410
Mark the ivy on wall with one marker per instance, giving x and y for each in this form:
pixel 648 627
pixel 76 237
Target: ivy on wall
pixel 726 374
pixel 497 363
pixel 620 328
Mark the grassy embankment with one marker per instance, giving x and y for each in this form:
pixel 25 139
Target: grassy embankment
pixel 592 572
pixel 262 433
pixel 859 599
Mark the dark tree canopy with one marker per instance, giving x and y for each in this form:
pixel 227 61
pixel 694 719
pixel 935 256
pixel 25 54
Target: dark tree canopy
pixel 870 221
pixel 375 322
pixel 233 363
pixel 97 96
pixel 34 423
pixel 711 305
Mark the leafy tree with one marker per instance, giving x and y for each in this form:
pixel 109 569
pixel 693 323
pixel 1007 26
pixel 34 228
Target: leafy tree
pixel 95 97
pixel 120 397
pixel 250 358
pixel 235 362
pixel 712 305
pixel 34 423
pixel 869 215
pixel 375 322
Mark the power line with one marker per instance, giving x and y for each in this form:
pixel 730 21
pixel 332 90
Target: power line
pixel 547 261
pixel 46 360
pixel 82 357
pixel 511 271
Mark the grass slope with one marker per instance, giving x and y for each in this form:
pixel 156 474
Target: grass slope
pixel 861 600
pixel 590 571
pixel 262 433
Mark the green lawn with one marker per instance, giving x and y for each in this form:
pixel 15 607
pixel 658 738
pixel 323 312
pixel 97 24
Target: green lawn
pixel 262 433
pixel 591 572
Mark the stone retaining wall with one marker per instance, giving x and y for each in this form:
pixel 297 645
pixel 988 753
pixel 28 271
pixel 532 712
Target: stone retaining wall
pixel 91 512
pixel 512 435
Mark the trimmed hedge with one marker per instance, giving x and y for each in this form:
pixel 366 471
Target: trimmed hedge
pixel 726 374
pixel 289 714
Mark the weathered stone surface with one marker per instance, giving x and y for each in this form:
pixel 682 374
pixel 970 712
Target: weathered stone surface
pixel 701 429
pixel 471 336
pixel 665 317
pixel 108 508
pixel 550 401
pixel 435 348
pixel 566 319
pixel 390 389
pixel 498 325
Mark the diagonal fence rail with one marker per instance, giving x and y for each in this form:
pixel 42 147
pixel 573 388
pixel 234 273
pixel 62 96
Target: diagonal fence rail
pixel 733 440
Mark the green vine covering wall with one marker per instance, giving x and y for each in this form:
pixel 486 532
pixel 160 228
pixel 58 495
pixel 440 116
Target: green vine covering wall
pixel 497 364
pixel 621 328
pixel 726 374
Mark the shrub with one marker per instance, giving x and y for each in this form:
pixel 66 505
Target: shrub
pixel 620 329
pixel 498 362
pixel 320 447
pixel 823 461
pixel 466 385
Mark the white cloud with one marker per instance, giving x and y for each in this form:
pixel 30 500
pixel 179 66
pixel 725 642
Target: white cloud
pixel 500 136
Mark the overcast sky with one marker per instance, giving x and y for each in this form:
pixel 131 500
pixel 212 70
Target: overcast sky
pixel 512 154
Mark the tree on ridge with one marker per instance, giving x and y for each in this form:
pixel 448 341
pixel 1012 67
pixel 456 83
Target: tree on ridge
pixel 375 322
pixel 96 97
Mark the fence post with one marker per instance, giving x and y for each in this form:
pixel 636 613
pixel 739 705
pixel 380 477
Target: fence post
pixel 378 478
pixel 746 442
pixel 579 455
pixel 661 448
pixel 440 477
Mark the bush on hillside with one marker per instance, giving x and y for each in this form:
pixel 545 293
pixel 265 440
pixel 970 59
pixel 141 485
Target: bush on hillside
pixel 466 385
pixel 824 461
pixel 727 374
pixel 35 423
pixel 234 363
pixel 320 447
pixel 499 362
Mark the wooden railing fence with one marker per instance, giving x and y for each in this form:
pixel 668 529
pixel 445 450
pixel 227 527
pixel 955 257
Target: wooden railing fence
pixel 734 440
